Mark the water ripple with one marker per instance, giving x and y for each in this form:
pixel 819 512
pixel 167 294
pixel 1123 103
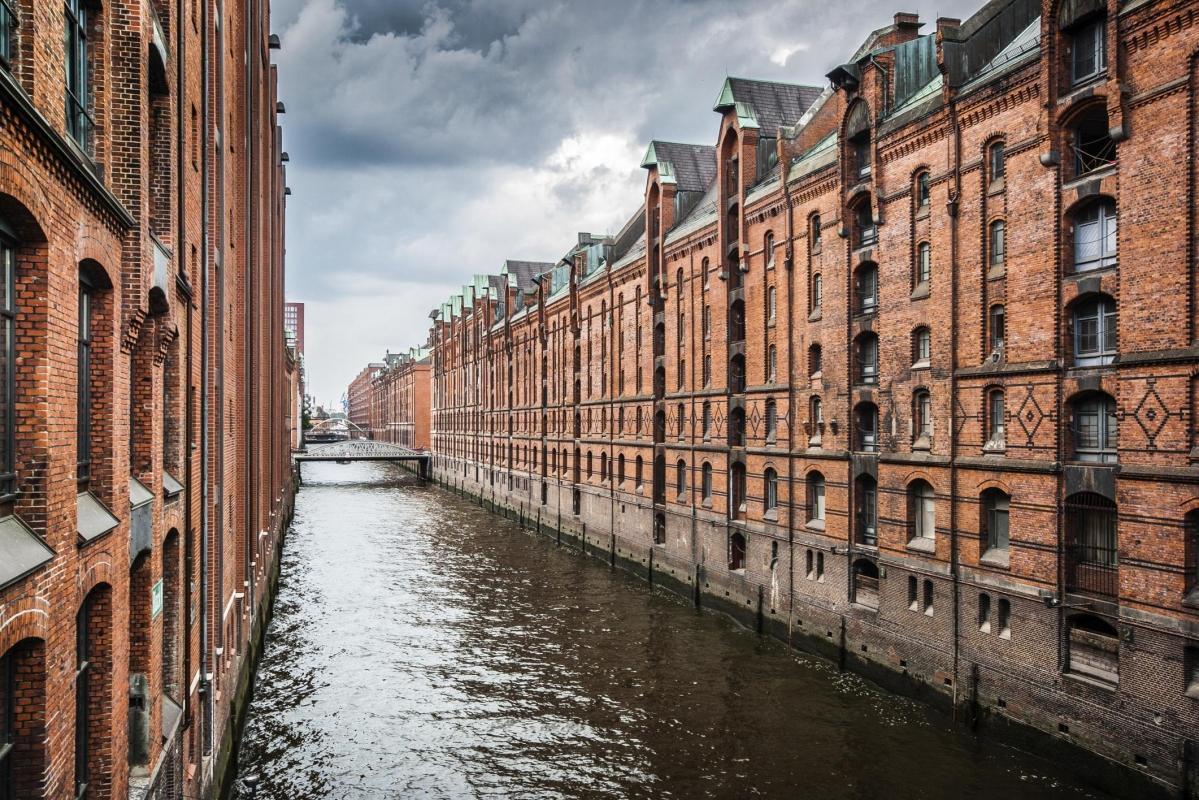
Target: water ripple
pixel 424 648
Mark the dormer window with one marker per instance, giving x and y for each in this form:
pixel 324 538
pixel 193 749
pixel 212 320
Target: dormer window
pixel 857 140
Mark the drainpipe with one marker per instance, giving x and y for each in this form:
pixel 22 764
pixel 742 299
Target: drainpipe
pixel 252 283
pixel 205 383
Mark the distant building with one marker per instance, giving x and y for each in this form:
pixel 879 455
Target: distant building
pixel 358 397
pixel 400 411
pixel 293 327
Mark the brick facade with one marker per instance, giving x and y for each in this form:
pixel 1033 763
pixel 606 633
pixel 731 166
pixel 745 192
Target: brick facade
pixel 399 398
pixel 879 371
pixel 149 504
pixel 358 396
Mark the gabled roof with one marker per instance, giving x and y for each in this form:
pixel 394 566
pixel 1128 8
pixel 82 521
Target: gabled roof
pixel 691 167
pixel 525 271
pixel 765 104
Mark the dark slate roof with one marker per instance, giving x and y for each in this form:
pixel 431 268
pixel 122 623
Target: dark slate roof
pixel 630 233
pixel 692 165
pixel 525 271
pixel 774 104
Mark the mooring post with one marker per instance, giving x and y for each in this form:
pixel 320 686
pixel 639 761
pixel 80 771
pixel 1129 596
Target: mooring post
pixel 760 620
pixel 841 649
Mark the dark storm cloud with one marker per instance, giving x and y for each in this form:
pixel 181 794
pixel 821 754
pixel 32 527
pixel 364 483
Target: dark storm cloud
pixel 429 141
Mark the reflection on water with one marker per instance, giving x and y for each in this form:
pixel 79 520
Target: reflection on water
pixel 422 647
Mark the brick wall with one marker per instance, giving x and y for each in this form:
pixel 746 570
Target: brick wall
pixel 627 361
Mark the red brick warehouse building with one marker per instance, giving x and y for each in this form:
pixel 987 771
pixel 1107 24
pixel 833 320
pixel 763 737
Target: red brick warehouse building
pixel 399 399
pixel 902 368
pixel 144 473
pixel 358 396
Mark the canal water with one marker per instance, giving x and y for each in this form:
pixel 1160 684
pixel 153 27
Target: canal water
pixel 423 648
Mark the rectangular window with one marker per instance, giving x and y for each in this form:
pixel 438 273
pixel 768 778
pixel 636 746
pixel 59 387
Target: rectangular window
pixel 7 376
pixel 84 379
pixel 78 68
pixel 82 698
pixel 997 244
pixel 924 411
pixel 997 161
pixel 997 523
pixel 817 291
pixel 816 501
pixel 8 31
pixel 1089 51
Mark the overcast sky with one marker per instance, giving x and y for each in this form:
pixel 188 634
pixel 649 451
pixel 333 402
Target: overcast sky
pixel 429 141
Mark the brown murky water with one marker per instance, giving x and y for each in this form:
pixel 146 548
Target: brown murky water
pixel 421 647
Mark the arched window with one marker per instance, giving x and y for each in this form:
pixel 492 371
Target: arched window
pixel 1092 560
pixel 817 292
pixel 737 427
pixel 1095 332
pixel 996 419
pixel 1095 428
pixel 994 523
pixel 772 364
pixel 866 423
pixel 639 472
pixel 93 690
pixel 865 229
pixel 921 347
pixel 771 421
pixel 682 420
pixel 1190 579
pixel 995 162
pixel 814 233
pixel 996 244
pixel 770 487
pixel 929 597
pixel 865 284
pixel 924 264
pixel 771 304
pixel 923 192
pixel 1094 649
pixel 588 465
pixel 706 481
pixel 913 593
pixel 1005 618
pixel 706 419
pixel 1091 141
pixel 737 494
pixel 1094 232
pixel 8 258
pixel 922 512
pixel 815 363
pixel 737 374
pixel 737 321
pixel 922 418
pixel 865 583
pixel 815 499
pixel 737 547
pixel 866 510
pixel 680 476
pixel 866 358
pixel 768 250
pixel 22 716
pixel 816 416
pixel 984 612
pixel 620 469
pixel 996 327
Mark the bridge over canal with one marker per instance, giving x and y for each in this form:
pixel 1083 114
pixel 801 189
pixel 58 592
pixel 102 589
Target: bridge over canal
pixel 352 450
